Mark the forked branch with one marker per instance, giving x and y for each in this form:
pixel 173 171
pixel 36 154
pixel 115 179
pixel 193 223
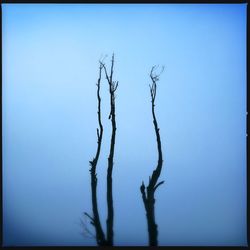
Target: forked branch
pixel 95 219
pixel 148 192
pixel 112 88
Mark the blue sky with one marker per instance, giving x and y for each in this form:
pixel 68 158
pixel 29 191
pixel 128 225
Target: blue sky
pixel 50 68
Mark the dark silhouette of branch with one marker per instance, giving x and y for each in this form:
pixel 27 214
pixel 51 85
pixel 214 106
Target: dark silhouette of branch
pixel 112 88
pixel 86 232
pixel 148 192
pixel 95 220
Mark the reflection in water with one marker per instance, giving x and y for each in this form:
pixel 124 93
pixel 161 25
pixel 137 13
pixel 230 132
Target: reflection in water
pixel 95 220
pixel 148 195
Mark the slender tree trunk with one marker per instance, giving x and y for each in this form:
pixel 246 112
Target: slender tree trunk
pixel 110 217
pixel 148 195
pixel 95 221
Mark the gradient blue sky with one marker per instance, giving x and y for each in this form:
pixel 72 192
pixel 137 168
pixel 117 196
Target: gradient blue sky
pixel 50 67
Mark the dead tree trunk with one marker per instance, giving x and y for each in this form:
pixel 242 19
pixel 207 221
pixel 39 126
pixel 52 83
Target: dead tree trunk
pixel 110 217
pixel 95 220
pixel 148 195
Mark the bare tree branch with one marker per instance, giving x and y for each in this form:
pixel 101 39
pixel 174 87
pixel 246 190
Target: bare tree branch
pixel 95 220
pixel 91 219
pixel 86 232
pixel 105 70
pixel 148 196
pixel 110 217
pixel 161 182
pixel 113 85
